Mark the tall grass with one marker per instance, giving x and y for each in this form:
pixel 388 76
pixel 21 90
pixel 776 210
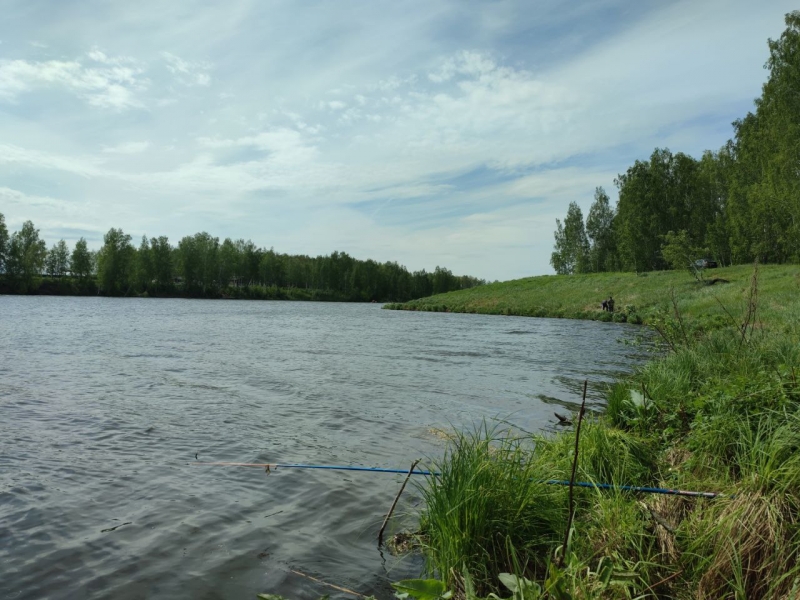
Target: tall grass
pixel 489 510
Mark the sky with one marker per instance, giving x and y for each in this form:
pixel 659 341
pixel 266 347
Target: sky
pixel 448 133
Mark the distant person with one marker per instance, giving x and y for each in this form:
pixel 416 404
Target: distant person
pixel 605 304
pixel 610 304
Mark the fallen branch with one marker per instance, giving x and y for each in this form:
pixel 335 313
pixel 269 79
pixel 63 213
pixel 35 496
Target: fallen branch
pixel 396 498
pixel 653 587
pixel 330 585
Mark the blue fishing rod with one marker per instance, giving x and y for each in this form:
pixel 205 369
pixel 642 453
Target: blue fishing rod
pixel 269 467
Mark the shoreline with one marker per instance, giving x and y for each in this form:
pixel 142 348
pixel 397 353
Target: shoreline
pixel 73 288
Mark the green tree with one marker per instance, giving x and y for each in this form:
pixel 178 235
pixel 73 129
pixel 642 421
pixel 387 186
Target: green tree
pixel 199 261
pixel 250 261
pixel 764 212
pixel 273 272
pixel 57 260
pixel 443 280
pixel 94 256
pixel 421 284
pixel 679 253
pixel 600 231
pixel 229 262
pixel 116 263
pixel 81 261
pixel 144 265
pixel 206 266
pixel 26 256
pixel 714 183
pixel 3 243
pixel 655 197
pixel 162 262
pixel 571 252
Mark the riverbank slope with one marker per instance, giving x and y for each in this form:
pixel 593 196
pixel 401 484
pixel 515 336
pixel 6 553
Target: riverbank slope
pixel 636 296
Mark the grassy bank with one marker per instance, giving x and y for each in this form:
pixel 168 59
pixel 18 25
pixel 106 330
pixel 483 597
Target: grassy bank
pixel 636 296
pixel 718 412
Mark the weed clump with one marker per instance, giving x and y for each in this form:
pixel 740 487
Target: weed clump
pixel 489 503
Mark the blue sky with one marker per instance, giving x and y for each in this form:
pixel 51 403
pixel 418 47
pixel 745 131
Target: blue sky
pixel 431 133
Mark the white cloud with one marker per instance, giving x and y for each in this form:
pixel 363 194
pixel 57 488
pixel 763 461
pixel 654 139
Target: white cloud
pixel 188 72
pixel 97 55
pixel 276 140
pixel 50 212
pixel 127 148
pixel 82 166
pixel 12 196
pixel 468 63
pixel 105 87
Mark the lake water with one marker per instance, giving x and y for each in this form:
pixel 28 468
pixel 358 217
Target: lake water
pixel 104 404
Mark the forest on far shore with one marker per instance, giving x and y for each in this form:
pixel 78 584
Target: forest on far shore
pixel 201 266
pixel 736 205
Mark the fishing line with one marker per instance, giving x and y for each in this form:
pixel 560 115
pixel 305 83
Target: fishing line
pixel 584 484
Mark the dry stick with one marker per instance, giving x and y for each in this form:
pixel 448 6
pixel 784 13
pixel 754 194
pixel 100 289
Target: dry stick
pixel 754 299
pixel 664 337
pixel 572 478
pixel 396 498
pixel 653 587
pixel 658 518
pixel 330 585
pixel 727 312
pixel 752 306
pixel 678 315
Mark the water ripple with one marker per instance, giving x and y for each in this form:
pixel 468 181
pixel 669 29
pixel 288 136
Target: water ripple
pixel 106 402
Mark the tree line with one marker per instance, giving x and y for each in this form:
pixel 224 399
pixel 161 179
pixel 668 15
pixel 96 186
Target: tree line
pixel 738 204
pixel 202 266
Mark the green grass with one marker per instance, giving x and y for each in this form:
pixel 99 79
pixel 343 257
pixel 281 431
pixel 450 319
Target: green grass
pixel 718 411
pixel 488 505
pixel 635 296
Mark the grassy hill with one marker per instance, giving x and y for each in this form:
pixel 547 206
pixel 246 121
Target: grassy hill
pixel 637 296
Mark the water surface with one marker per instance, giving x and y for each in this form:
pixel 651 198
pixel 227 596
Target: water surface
pixel 104 404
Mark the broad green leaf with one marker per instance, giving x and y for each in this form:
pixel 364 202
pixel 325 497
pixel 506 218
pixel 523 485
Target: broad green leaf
pixel 510 581
pixel 520 586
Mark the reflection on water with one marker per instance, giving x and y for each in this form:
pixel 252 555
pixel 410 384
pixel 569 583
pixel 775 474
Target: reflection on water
pixel 106 402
